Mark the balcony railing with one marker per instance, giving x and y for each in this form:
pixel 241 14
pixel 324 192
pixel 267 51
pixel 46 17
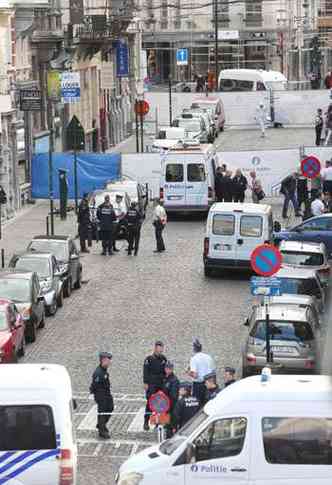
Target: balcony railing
pixel 101 28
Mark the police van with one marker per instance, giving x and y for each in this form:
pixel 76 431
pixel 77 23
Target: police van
pixel 187 181
pixel 276 432
pixel 37 442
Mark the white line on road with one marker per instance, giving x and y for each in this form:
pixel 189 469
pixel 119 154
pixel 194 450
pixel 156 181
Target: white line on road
pixel 97 450
pixel 137 423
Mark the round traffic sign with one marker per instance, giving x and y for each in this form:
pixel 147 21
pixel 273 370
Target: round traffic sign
pixel 266 260
pixel 310 167
pixel 142 107
pixel 159 403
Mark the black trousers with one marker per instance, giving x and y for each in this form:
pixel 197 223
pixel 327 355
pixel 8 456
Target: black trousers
pixel 318 131
pixel 159 236
pixel 104 405
pixel 239 197
pixel 106 240
pixel 199 391
pixel 151 390
pixel 134 235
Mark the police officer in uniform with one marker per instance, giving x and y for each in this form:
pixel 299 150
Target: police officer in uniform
pixel 106 217
pixel 101 389
pixel 187 406
pixel 212 388
pixel 153 376
pixel 171 389
pixel 229 376
pixel 133 220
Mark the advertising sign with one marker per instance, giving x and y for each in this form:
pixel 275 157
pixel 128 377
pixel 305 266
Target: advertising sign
pixel 70 87
pixel 122 59
pixel 54 85
pixel 30 99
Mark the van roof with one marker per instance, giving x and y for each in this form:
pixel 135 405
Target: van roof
pixel 289 388
pixel 34 376
pixel 286 313
pixel 252 75
pixel 238 207
pixel 194 148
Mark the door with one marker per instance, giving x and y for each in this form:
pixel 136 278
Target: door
pixel 174 187
pixel 249 235
pixel 197 185
pixel 222 236
pixel 221 453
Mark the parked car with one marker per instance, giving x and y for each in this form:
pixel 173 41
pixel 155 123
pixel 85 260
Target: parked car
pixel 12 340
pixel 135 191
pixel 305 254
pixel 23 289
pixel 208 120
pixel 67 256
pixel 315 229
pixel 294 340
pixel 49 274
pixel 215 104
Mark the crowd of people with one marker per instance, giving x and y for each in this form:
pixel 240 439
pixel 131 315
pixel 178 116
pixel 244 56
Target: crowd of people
pixel 232 188
pixel 323 126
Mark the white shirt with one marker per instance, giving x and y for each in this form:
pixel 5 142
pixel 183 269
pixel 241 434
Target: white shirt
pixel 202 364
pixel 326 173
pixel 160 213
pixel 317 207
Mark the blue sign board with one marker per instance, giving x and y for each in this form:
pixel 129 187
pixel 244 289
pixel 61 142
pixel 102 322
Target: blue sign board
pixel 122 59
pixel 70 87
pixel 182 57
pixel 265 286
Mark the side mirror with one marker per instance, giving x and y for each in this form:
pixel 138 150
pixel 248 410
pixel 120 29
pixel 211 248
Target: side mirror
pixel 246 323
pixel 276 226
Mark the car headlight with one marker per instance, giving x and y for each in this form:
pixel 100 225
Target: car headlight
pixel 131 478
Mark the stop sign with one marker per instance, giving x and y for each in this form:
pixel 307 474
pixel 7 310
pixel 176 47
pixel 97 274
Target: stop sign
pixel 142 107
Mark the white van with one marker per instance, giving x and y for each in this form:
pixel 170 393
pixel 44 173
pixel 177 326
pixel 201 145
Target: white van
pixel 233 230
pixel 253 433
pixel 231 80
pixel 37 444
pixel 188 178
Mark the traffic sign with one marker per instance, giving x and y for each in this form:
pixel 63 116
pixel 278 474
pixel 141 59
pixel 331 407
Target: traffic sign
pixel 310 167
pixel 30 99
pixel 265 286
pixel 142 107
pixel 266 260
pixel 182 57
pixel 159 403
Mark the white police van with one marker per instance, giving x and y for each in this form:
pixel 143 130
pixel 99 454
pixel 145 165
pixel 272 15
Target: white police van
pixel 277 432
pixel 37 443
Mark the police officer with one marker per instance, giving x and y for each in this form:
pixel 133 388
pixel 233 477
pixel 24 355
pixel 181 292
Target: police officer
pixel 229 376
pixel 106 217
pixel 153 376
pixel 212 388
pixel 171 389
pixel 187 406
pixel 133 220
pixel 101 389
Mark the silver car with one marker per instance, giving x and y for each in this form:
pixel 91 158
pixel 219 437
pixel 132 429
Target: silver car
pixel 294 340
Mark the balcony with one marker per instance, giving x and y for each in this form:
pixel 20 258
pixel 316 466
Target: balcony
pixel 47 28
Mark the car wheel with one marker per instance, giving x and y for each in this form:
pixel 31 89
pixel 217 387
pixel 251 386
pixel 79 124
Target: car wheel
pixel 42 321
pixel 78 283
pixel 207 271
pixel 21 351
pixel 52 309
pixel 31 334
pixel 60 299
pixel 67 289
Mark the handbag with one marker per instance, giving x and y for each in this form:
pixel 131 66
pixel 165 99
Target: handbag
pixel 260 194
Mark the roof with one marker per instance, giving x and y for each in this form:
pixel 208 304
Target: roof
pixel 52 238
pixel 293 272
pixel 282 312
pixel 238 207
pixel 16 275
pixel 305 246
pixel 32 376
pixel 291 299
pixel 35 255
pixel 252 75
pixel 304 388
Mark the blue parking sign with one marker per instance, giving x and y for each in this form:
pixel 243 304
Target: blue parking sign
pixel 182 57
pixel 122 59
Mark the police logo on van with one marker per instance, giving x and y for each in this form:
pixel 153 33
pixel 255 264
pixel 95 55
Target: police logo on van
pixel 208 468
pixel 194 468
pixel 255 161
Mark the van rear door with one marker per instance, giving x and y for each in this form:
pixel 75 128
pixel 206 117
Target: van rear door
pixel 222 244
pixel 174 187
pixel 197 185
pixel 249 235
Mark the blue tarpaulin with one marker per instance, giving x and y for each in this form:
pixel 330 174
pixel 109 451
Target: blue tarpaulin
pixel 93 171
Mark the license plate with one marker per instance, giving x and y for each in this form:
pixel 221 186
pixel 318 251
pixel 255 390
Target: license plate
pixel 222 247
pixel 284 350
pixel 175 197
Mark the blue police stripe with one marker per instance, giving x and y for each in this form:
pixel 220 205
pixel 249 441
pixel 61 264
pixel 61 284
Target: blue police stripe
pixel 16 460
pixel 6 455
pixel 29 464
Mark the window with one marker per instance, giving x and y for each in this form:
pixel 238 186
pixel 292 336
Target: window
pixel 235 85
pixel 298 441
pixel 196 172
pixel 321 224
pixel 174 172
pixel 302 259
pixel 16 290
pixel 221 439
pixel 26 428
pixel 299 286
pixel 223 225
pixel 286 331
pixel 251 226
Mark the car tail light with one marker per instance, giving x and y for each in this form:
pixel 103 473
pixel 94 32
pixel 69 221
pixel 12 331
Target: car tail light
pixel 66 468
pixel 206 246
pixel 161 193
pixel 251 359
pixel 309 364
pixel 210 193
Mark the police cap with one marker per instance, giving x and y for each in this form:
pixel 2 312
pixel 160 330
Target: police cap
pixel 210 375
pixel 185 385
pixel 231 370
pixel 158 343
pixel 105 355
pixel 169 365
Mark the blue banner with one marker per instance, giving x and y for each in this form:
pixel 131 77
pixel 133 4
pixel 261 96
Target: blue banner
pixel 122 59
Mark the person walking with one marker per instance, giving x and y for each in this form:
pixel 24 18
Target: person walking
pixel 302 193
pixel 201 364
pixel 240 185
pixel 133 220
pixel 171 389
pixel 228 187
pixel 212 388
pixel 317 205
pixel 120 215
pixel 153 377
pixel 319 123
pixel 159 222
pixel 84 223
pixel 101 389
pixel 229 376
pixel 106 217
pixel 257 193
pixel 288 189
pixel 186 407
pixel 219 184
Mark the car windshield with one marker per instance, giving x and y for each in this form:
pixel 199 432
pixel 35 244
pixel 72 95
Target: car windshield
pixel 299 286
pixel 15 290
pixel 190 125
pixel 302 259
pixel 38 265
pixel 279 330
pixel 58 248
pixel 3 321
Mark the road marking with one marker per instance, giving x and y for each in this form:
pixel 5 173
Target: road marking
pixel 90 420
pixel 83 441
pixel 136 425
pixel 134 449
pixel 97 450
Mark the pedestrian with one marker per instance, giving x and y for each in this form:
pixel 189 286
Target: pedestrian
pixel 159 222
pixel 212 388
pixel 120 215
pixel 171 389
pixel 328 80
pixel 187 406
pixel 288 189
pixel 201 364
pixel 84 223
pixel 228 186
pixel 240 185
pixel 326 175
pixel 319 123
pixel 261 117
pixel 219 184
pixel 133 220
pixel 302 192
pixel 317 205
pixel 101 389
pixel 229 376
pixel 257 193
pixel 153 376
pixel 106 217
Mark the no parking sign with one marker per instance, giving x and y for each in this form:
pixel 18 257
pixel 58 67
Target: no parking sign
pixel 266 260
pixel 310 167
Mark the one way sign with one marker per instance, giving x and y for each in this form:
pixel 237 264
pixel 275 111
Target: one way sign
pixel 182 57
